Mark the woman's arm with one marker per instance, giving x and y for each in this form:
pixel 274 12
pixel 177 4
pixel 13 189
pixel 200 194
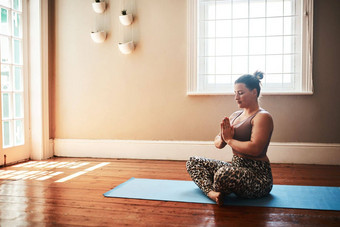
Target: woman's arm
pixel 219 142
pixel 261 131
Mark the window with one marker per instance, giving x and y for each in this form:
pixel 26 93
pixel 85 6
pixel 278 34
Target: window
pixel 229 38
pixel 12 80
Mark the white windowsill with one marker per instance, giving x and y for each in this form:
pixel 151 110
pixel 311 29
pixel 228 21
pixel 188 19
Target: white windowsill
pixel 262 93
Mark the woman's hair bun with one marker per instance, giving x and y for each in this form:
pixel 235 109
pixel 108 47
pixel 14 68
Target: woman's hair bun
pixel 258 75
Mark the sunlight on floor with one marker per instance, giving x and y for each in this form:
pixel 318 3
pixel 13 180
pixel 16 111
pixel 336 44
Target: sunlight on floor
pixel 27 175
pixel 43 164
pixel 47 172
pixel 83 172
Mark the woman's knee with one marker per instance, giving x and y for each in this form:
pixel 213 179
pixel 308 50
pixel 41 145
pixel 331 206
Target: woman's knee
pixel 222 178
pixel 191 162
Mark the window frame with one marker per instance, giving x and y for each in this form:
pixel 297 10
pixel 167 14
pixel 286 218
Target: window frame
pixel 24 92
pixel 307 53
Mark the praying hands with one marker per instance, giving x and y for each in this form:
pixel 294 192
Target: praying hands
pixel 227 130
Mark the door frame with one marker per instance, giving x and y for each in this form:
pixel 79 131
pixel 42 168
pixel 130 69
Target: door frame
pixel 36 66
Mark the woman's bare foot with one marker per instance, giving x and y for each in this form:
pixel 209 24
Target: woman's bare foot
pixel 216 196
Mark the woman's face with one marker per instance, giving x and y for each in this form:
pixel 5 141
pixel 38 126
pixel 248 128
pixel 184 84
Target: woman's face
pixel 243 96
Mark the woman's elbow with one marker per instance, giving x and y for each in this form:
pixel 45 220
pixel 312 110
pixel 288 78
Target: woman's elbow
pixel 219 144
pixel 256 150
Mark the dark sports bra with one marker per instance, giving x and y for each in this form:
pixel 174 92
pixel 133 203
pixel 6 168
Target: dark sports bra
pixel 243 132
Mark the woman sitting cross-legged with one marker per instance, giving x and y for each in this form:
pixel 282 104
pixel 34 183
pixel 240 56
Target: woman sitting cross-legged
pixel 247 132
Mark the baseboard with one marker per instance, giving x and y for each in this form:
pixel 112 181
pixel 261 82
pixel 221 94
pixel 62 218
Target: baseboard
pixel 299 153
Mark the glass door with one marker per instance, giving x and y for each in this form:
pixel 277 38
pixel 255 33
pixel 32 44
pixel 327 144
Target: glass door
pixel 14 99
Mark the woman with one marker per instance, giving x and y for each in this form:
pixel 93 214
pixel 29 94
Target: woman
pixel 248 133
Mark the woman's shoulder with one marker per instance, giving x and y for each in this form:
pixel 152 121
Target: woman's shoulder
pixel 263 116
pixel 264 113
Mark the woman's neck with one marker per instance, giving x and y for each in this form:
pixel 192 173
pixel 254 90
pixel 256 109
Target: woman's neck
pixel 249 111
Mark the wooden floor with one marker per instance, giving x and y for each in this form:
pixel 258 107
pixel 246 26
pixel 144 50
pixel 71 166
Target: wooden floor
pixel 68 192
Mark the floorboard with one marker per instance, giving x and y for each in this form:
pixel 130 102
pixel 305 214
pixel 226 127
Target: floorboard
pixel 31 195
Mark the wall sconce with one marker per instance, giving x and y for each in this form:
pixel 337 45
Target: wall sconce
pixel 98 6
pixel 126 48
pixel 98 37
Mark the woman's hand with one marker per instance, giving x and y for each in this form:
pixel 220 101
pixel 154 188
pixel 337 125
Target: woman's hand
pixel 227 131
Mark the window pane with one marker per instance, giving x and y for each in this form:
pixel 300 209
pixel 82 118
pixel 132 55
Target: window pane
pixel 274 26
pixel 207 65
pixel 223 9
pixel 223 46
pixel 240 65
pixel 5 105
pixel 6 129
pixel 5 50
pixel 223 65
pixel 18 102
pixel 289 26
pixel 5 78
pixel 4 27
pixel 240 28
pixel 240 9
pixel 211 79
pixel 18 79
pixel 274 79
pixel 17 52
pixel 207 9
pixel 16 25
pixel 240 46
pixel 273 64
pixel 257 63
pixel 223 79
pixel 288 78
pixel 17 5
pixel 223 28
pixel 234 77
pixel 288 64
pixel 210 65
pixel 289 7
pixel 257 45
pixel 6 3
pixel 274 8
pixel 274 45
pixel 207 47
pixel 19 132
pixel 207 29
pixel 257 27
pixel 257 8
pixel 201 82
pixel 288 45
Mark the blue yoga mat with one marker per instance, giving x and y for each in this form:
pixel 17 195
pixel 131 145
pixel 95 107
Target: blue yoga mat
pixel 283 196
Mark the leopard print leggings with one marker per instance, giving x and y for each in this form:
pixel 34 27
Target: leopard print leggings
pixel 247 178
